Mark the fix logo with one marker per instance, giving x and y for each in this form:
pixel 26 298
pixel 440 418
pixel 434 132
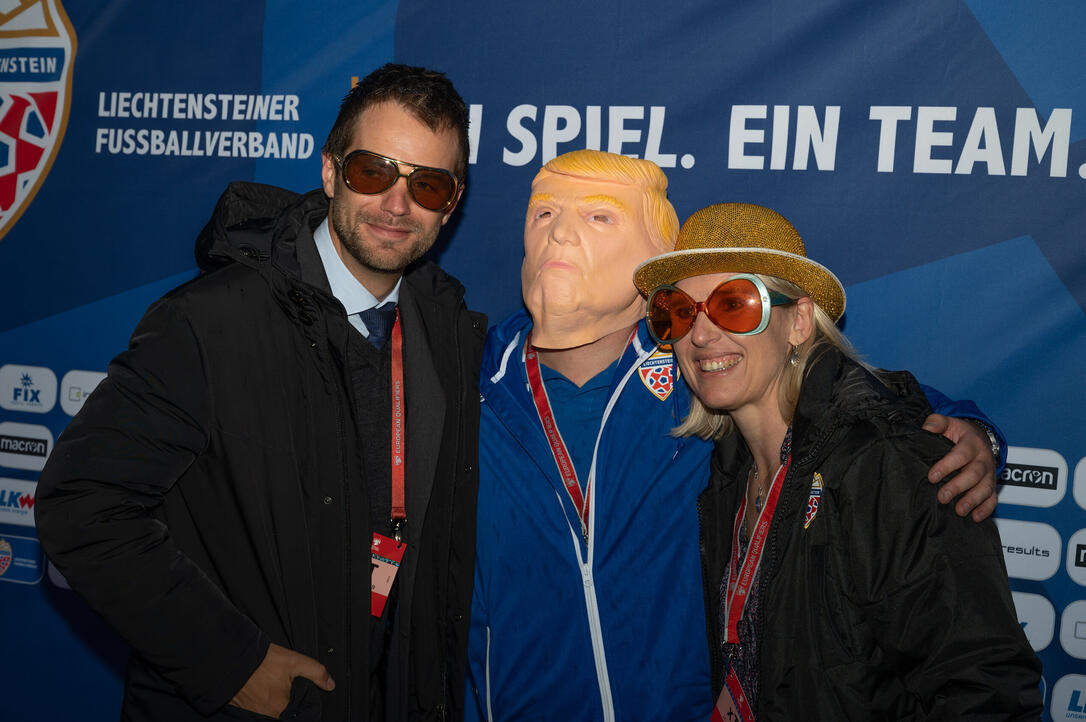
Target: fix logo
pixel 658 373
pixel 813 500
pixel 26 392
pixel 37 52
pixel 27 388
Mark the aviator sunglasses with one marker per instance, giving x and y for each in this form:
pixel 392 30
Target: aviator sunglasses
pixel 370 173
pixel 739 305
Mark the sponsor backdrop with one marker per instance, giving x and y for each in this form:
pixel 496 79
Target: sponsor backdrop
pixel 931 152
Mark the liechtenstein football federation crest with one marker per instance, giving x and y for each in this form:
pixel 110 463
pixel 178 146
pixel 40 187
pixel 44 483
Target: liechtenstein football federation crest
pixel 37 51
pixel 658 373
pixel 5 556
pixel 813 500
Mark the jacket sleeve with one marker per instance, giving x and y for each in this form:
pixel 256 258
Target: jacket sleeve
pixel 138 433
pixel 934 589
pixel 941 404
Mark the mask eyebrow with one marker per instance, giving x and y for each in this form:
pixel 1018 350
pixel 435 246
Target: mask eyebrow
pixel 538 198
pixel 605 199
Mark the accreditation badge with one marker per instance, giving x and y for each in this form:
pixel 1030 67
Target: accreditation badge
pixel 385 557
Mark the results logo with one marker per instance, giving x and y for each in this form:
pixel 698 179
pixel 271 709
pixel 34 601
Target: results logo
pixel 1031 550
pixel 37 50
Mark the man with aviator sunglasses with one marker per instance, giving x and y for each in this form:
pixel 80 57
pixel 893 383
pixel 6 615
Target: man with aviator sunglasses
pixel 272 495
pixel 587 602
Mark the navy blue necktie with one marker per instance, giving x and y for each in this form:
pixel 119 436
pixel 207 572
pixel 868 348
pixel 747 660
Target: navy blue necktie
pixel 379 321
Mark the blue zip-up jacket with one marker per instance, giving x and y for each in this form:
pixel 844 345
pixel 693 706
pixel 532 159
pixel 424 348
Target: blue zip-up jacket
pixel 611 629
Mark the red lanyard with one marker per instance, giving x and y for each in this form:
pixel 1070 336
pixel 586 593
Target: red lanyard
pixel 740 578
pixel 399 508
pixel 561 455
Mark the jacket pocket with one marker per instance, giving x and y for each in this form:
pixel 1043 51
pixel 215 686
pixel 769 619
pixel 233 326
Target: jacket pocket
pixel 304 706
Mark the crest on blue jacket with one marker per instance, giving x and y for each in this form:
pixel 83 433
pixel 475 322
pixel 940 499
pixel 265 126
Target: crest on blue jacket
pixel 658 373
pixel 813 500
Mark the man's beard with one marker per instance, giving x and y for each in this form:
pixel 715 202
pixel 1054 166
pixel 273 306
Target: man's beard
pixel 376 259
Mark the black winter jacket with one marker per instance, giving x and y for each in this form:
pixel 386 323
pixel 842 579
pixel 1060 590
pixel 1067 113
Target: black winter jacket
pixel 888 605
pixel 177 501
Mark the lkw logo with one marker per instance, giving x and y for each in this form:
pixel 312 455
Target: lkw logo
pixel 1068 698
pixel 37 51
pixel 17 499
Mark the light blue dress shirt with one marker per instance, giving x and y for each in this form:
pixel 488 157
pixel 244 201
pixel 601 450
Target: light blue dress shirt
pixel 345 287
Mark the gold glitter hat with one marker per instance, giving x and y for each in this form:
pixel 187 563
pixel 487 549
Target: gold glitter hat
pixel 743 238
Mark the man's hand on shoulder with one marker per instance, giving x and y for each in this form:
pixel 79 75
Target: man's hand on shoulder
pixel 268 690
pixel 972 454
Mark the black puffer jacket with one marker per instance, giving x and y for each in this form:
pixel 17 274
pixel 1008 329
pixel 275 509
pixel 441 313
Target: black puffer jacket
pixel 888 605
pixel 180 501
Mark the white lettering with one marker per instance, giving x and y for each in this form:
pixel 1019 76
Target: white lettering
pixel 617 133
pixel 888 117
pixel 927 138
pixel 811 137
pixel 475 127
pixel 739 135
pixel 1056 134
pixel 652 142
pixel 527 140
pixel 779 145
pixel 561 124
pixel 982 145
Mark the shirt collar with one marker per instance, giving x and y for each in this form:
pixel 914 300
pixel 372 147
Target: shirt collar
pixel 345 287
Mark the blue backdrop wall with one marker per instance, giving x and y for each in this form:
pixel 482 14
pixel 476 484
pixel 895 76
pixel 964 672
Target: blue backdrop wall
pixel 931 152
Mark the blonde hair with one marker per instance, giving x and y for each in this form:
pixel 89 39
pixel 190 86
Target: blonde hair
pixel 710 423
pixel 660 218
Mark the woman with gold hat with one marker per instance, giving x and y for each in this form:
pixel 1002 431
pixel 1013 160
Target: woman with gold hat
pixel 836 585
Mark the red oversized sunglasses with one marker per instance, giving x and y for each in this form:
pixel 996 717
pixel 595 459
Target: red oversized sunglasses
pixel 739 305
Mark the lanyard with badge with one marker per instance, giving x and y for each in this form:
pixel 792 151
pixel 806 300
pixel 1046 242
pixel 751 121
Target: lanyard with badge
pixel 732 704
pixel 562 458
pixel 386 553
